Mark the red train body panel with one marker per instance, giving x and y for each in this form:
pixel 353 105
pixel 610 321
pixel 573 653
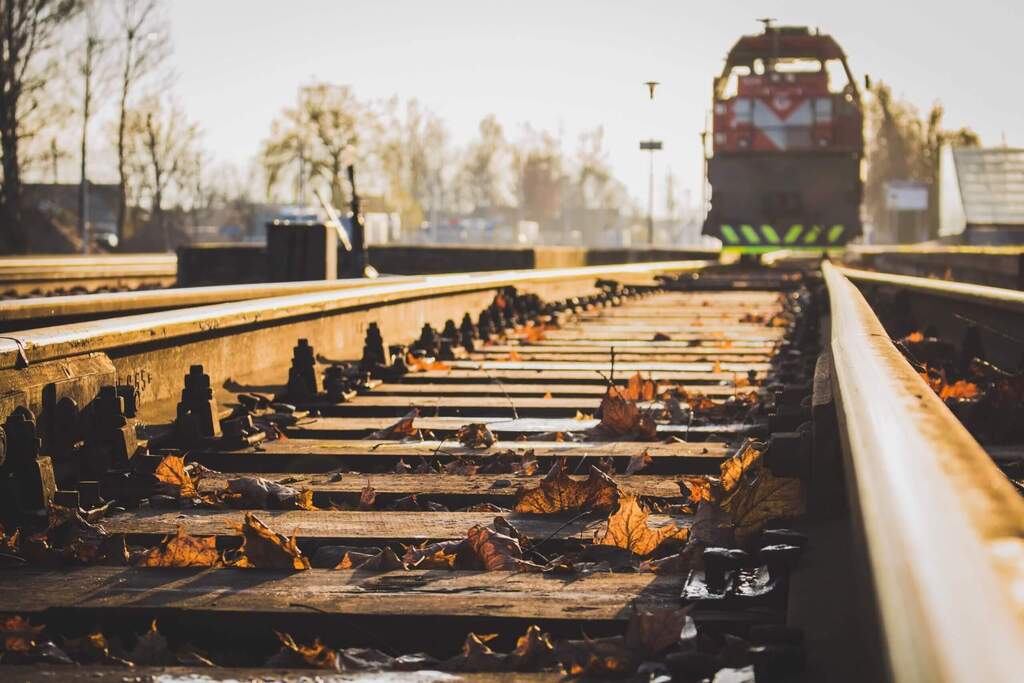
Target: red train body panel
pixel 787 144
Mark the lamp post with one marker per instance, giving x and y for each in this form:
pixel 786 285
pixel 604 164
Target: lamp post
pixel 650 146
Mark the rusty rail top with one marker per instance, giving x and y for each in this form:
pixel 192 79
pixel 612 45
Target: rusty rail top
pixel 994 297
pixel 126 303
pixel 149 328
pixel 944 525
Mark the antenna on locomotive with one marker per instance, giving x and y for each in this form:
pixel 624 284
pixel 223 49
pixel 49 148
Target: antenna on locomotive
pixel 767 21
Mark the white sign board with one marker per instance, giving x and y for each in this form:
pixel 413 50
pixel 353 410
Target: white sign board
pixel 906 195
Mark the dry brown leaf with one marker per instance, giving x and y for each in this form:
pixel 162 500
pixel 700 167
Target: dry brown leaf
pixel 304 501
pixel 382 560
pixel 621 417
pixel 699 488
pixel 151 649
pixel 547 395
pixel 639 462
pixel 433 556
pixel 263 548
pixel 640 389
pixel 627 528
pixel 651 633
pixel 172 477
pixel 497 552
pixel 476 435
pixel 961 389
pixel 315 656
pixel 761 497
pixel 18 634
pixel 367 498
pixel 182 550
pixel 558 493
pixel 403 429
pixel 733 469
pixel 513 356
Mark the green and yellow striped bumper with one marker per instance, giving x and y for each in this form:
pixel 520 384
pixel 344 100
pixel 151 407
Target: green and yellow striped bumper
pixel 766 237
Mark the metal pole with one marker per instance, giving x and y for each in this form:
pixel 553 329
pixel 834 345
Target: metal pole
pixel 650 200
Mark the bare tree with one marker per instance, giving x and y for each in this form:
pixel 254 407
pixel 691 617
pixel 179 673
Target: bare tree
pixel 88 68
pixel 538 164
pixel 27 28
pixel 312 142
pixel 144 43
pixel 482 172
pixel 161 147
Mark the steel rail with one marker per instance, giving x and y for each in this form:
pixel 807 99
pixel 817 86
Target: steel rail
pixel 984 295
pixel 90 306
pixel 244 338
pixel 945 528
pixel 26 273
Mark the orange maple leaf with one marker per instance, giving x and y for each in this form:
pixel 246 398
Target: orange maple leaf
pixel 627 528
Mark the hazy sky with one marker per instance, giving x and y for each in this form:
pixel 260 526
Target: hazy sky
pixel 570 65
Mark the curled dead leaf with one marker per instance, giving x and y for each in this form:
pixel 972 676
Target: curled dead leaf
pixel 367 498
pixel 476 435
pixel 315 656
pixel 403 429
pixel 639 462
pixel 640 389
pixel 182 550
pixel 263 548
pixel 628 528
pixel 496 551
pixel 433 556
pixel 761 497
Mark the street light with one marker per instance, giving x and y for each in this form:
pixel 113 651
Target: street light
pixel 650 146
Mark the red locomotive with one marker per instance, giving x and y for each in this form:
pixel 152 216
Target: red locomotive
pixel 787 144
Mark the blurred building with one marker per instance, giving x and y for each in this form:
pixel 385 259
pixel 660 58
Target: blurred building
pixel 981 195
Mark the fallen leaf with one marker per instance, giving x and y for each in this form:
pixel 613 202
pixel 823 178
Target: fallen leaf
pixel 760 497
pixel 547 395
pixel 496 552
pixel 961 389
pixel 401 467
pixel 172 477
pixel 639 462
pixel 475 435
pixel 315 656
pixel 651 633
pixel 582 417
pixel 621 417
pixel 417 364
pixel 732 469
pixel 698 488
pixel 258 493
pixel 151 649
pixel 264 548
pixel 627 528
pixel 640 389
pixel 513 356
pixel 559 493
pixel 182 550
pixel 400 430
pixel 383 560
pixel 367 497
pixel 18 634
pixel 441 555
pixel 464 466
pixel 304 501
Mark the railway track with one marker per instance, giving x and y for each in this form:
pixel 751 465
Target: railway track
pixel 29 276
pixel 616 471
